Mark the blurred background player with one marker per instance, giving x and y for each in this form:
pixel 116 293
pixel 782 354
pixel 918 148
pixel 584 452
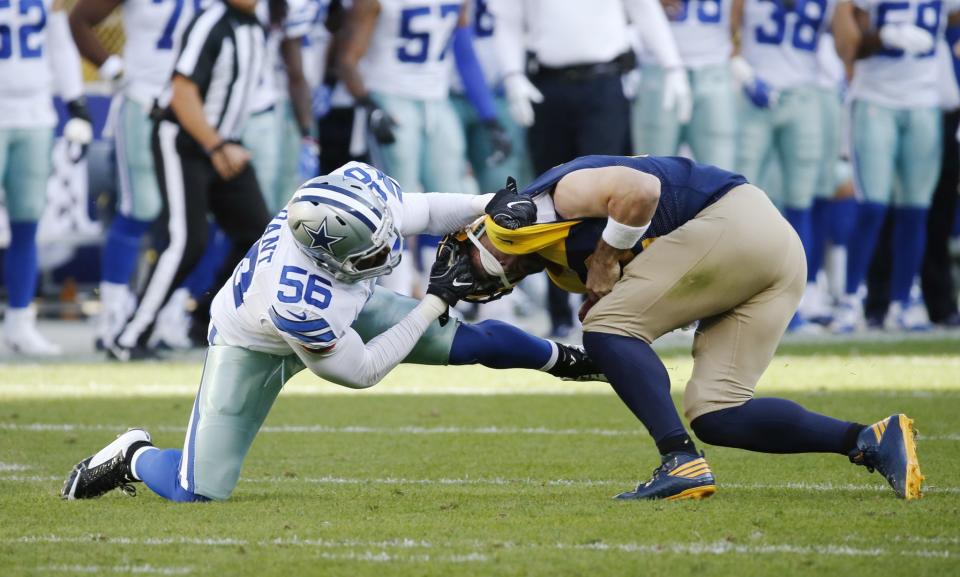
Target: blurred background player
pixel 152 41
pixel 280 133
pixel 896 128
pixel 490 165
pixel 37 56
pixel 395 58
pixel 780 117
pixel 573 100
pixel 201 167
pixel 701 29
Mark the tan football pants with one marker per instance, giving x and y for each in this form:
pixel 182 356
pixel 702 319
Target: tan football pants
pixel 737 267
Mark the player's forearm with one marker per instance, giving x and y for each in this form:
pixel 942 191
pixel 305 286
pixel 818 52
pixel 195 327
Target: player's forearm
pixel 356 365
pixel 188 108
pixel 297 85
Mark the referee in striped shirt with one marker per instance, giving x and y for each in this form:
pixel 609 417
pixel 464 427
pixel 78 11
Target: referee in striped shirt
pixel 201 167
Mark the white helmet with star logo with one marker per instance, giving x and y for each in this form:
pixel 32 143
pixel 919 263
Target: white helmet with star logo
pixel 345 227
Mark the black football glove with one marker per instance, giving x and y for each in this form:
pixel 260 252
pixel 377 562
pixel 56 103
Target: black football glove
pixel 511 210
pixel 381 124
pixel 500 144
pixel 451 278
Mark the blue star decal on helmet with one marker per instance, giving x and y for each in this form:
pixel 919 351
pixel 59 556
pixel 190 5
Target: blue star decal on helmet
pixel 319 237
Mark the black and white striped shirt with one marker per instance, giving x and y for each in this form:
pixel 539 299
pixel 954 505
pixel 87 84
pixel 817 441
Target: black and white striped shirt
pixel 222 53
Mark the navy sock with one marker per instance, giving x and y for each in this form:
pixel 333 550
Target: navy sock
pixel 20 264
pixel 870 217
pixel 801 220
pixel 909 241
pixel 819 222
pixel 769 425
pixel 158 469
pixel 842 220
pixel 122 249
pixel 638 376
pixel 498 345
pixel 201 278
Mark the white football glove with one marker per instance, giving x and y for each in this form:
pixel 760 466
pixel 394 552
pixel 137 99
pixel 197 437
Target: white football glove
pixel 521 94
pixel 677 95
pixel 907 37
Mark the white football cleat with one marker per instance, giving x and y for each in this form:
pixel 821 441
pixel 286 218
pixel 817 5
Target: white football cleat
pixel 20 334
pixel 848 316
pixel 910 316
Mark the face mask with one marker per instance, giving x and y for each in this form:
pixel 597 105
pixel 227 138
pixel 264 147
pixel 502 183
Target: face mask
pixel 489 262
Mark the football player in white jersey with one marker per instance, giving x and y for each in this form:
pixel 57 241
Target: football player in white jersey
pixel 395 59
pixel 305 296
pixel 153 29
pixel 37 57
pixel 702 32
pixel 778 69
pixel 896 137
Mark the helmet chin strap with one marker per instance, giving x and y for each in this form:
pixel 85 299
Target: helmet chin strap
pixel 489 262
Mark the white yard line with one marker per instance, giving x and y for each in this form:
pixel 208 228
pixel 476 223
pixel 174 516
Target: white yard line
pixel 363 429
pixel 102 569
pixel 377 551
pixel 4 467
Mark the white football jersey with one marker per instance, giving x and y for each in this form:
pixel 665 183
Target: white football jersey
pixel 890 77
pixel 153 30
pixel 702 31
pixel 411 51
pixel 277 289
pixel 26 91
pixel 781 45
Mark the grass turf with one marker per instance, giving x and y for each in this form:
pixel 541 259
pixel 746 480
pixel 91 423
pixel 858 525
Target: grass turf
pixel 465 471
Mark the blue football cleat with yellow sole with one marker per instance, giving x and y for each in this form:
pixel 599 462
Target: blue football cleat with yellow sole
pixel 680 476
pixel 890 448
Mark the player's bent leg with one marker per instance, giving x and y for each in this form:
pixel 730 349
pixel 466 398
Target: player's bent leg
pixel 237 390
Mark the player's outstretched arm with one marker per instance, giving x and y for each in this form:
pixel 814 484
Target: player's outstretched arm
pixel 440 212
pixel 349 362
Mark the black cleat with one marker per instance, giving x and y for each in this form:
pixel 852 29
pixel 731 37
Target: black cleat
pixel 573 364
pixel 107 470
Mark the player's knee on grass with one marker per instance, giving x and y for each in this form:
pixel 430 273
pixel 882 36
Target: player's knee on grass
pixel 238 389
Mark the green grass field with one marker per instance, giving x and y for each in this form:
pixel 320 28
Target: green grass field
pixel 466 471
